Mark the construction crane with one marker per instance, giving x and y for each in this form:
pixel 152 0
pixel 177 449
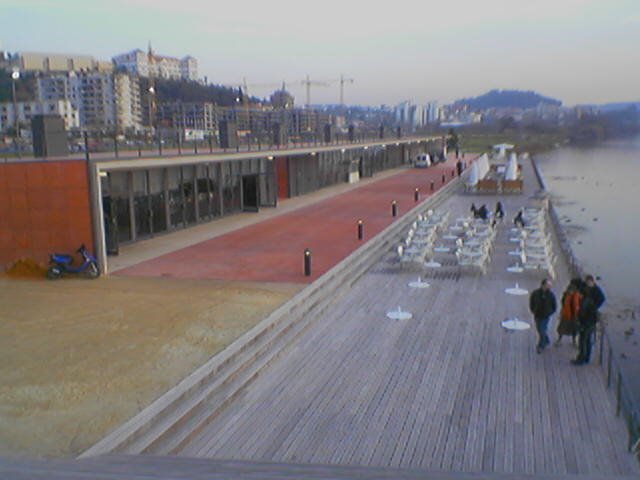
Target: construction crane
pixel 342 81
pixel 308 83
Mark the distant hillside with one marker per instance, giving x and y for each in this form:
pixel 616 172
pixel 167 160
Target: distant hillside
pixel 186 91
pixel 506 99
pixel 613 107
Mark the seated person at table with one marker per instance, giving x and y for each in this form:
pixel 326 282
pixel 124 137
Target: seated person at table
pixel 519 220
pixel 483 212
pixel 474 210
pixel 499 210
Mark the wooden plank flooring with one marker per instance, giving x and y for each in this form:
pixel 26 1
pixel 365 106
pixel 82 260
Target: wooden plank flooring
pixel 448 390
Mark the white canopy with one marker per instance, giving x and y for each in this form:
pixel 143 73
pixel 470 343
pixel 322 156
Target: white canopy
pixel 483 165
pixel 512 168
pixel 502 148
pixel 472 181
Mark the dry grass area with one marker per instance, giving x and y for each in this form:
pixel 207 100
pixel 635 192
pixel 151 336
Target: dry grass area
pixel 79 357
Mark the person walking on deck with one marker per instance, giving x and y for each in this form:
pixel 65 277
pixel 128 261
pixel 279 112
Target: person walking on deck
pixel 592 300
pixel 570 302
pixel 542 304
pixel 518 221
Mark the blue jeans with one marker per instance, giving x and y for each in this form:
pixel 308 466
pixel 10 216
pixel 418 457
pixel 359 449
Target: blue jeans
pixel 541 328
pixel 585 340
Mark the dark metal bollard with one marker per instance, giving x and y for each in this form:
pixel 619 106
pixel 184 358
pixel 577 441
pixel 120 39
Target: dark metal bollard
pixel 453 173
pixel 360 229
pixel 416 195
pixel 433 185
pixel 86 145
pixel 139 149
pixel 394 209
pixel 195 147
pixel 307 262
pixel 444 178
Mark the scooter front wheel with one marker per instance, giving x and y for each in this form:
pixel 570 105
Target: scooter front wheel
pixel 54 273
pixel 93 271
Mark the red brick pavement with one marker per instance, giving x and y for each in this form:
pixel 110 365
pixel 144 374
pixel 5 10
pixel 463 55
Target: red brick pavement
pixel 272 250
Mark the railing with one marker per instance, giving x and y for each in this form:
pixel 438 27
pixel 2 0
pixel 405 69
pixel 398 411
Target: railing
pixel 626 405
pixel 91 144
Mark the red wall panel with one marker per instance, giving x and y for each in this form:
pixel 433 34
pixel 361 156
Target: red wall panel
pixel 44 207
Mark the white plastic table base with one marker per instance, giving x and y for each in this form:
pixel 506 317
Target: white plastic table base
pixel 515 324
pixel 399 314
pixel 418 283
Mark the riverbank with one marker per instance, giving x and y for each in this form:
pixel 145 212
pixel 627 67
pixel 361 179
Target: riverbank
pixel 523 142
pixel 621 312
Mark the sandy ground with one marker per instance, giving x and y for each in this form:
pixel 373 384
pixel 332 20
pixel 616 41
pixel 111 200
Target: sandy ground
pixel 79 357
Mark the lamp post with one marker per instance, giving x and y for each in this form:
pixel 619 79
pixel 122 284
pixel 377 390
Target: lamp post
pixel 15 75
pixel 152 92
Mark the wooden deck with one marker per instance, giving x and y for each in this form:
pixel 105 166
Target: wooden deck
pixel 448 390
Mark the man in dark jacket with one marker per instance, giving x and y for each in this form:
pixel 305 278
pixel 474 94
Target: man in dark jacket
pixel 594 291
pixel 542 304
pixel 592 300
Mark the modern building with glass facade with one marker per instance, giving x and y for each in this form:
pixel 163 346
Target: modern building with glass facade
pixel 49 205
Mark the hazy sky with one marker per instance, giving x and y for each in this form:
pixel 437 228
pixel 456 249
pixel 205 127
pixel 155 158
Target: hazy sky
pixel 579 51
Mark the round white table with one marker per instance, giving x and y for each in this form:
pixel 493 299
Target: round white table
pixel 418 283
pixel 517 290
pixel 441 248
pixel 449 237
pixel 515 269
pixel 399 314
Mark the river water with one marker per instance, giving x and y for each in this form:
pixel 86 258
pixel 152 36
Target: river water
pixel 596 194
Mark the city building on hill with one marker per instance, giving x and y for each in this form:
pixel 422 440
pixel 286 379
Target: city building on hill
pixel 53 62
pixel 27 110
pixel 282 99
pixel 105 101
pixel 188 115
pixel 148 64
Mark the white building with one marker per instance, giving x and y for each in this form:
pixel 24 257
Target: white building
pixel 414 116
pixel 27 110
pixel 105 101
pixel 432 113
pixel 159 66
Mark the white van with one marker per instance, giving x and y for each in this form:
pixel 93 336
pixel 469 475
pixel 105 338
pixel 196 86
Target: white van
pixel 423 160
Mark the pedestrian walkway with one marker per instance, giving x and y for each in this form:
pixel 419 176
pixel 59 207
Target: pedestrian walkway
pixel 447 390
pixel 272 250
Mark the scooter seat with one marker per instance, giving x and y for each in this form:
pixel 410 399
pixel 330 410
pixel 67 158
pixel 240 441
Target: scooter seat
pixel 62 258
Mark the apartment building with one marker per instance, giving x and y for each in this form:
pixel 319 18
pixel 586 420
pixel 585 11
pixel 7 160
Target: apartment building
pixel 148 64
pixel 105 101
pixel 27 110
pixel 53 62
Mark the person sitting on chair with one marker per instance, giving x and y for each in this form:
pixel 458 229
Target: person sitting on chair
pixel 474 210
pixel 499 211
pixel 483 212
pixel 519 220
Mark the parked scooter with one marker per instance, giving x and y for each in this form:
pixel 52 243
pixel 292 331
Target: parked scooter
pixel 62 263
